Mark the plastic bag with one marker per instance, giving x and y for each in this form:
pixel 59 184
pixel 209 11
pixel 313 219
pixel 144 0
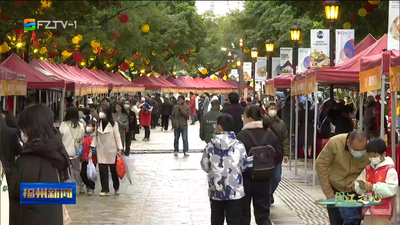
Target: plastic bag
pixel 91 171
pixel 121 170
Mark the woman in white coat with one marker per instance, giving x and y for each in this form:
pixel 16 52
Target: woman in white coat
pixel 107 142
pixel 72 132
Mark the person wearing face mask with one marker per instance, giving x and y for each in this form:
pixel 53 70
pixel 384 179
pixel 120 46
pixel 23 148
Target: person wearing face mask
pixel 122 118
pixel 338 165
pixel 279 128
pixel 380 178
pixel 108 144
pixel 131 129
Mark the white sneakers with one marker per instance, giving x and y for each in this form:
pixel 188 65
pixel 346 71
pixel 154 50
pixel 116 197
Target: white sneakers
pixel 175 154
pixel 104 194
pixel 116 192
pixel 90 192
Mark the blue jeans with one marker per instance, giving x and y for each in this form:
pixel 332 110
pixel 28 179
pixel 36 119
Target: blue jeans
pixel 277 178
pixel 184 132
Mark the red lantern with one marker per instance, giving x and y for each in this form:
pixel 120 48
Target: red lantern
pixel 389 120
pixel 389 114
pixel 124 66
pixel 123 18
pixel 181 56
pixel 221 74
pixel 225 68
pixel 18 31
pixel 55 45
pixel 183 63
pixel 390 102
pixel 78 56
pixel 389 108
pixel 389 95
pixel 117 35
pixel 172 45
pixel 51 54
pixel 369 7
pixel 115 52
pixel 108 57
pixel 134 56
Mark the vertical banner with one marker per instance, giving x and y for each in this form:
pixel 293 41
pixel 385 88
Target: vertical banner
pixel 235 74
pixel 261 68
pixel 276 66
pixel 247 71
pixel 286 61
pixel 344 45
pixel 370 80
pixel 394 26
pixel 304 59
pixel 245 93
pixel 320 48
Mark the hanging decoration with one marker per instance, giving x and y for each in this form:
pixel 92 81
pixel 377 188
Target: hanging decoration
pixel 123 18
pixel 183 63
pixel 94 44
pixel 154 53
pixel 225 68
pixel 43 50
pixel 108 57
pixel 54 45
pixel 374 2
pixel 147 61
pixel 246 50
pixel 234 66
pixel 78 56
pixel 213 77
pixel 362 12
pixel 369 7
pixel 204 71
pixel 77 47
pixel 115 52
pixel 192 50
pixel 166 53
pixel 347 25
pixel 51 54
pixel 45 4
pixel 33 37
pixel 75 40
pixel 172 45
pixel 145 28
pixel 390 113
pixel 134 56
pixel 221 74
pixel 116 35
pixel 65 54
pixel 138 53
pixel 4 47
pixel 99 50
pixel 80 37
pixel 124 66
pixel 95 50
pixel 181 56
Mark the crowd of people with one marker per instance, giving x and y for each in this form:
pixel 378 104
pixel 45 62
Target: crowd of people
pixel 246 143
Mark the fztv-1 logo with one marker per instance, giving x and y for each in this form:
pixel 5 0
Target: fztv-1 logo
pixel 29 24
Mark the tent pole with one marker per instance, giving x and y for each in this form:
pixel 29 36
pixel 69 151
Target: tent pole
pixel 361 111
pixel 4 102
pixel 47 99
pixel 291 132
pixel 383 97
pixel 315 131
pixel 62 104
pixel 393 132
pixel 305 147
pixel 296 136
pixel 40 96
pixel 15 106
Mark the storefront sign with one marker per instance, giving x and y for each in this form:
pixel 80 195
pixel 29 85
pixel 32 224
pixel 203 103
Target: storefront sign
pixel 304 60
pixel 310 85
pixel 370 80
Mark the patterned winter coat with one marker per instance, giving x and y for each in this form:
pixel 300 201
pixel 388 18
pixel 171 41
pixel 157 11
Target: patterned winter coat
pixel 224 159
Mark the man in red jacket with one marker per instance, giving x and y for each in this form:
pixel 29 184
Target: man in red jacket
pixel 192 105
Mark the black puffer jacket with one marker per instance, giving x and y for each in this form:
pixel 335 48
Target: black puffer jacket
pixel 37 164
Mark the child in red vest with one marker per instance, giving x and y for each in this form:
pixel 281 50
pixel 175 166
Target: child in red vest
pixel 85 153
pixel 378 179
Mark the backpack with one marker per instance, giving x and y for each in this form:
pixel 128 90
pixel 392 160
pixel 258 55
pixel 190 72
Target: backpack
pixel 264 159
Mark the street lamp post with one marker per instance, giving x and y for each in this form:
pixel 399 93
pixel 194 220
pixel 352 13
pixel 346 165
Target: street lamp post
pixel 254 55
pixel 269 48
pixel 240 66
pixel 331 14
pixel 295 37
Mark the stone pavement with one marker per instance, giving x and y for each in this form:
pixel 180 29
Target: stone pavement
pixel 165 191
pixel 163 141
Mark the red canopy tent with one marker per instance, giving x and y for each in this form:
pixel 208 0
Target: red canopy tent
pixel 348 71
pixel 208 87
pixel 126 85
pixel 167 86
pixel 236 85
pixel 164 81
pixel 150 84
pixel 198 85
pixel 34 78
pixel 365 43
pixel 283 81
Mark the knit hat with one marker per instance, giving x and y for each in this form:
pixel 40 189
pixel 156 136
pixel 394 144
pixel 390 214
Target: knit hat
pixel 269 104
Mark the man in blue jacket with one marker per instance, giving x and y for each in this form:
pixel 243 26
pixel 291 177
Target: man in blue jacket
pixel 236 111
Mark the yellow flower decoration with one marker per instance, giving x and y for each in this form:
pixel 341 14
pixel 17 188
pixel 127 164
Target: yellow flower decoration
pixel 79 36
pixel 43 50
pixel 75 40
pixel 148 61
pixel 95 50
pixel 46 4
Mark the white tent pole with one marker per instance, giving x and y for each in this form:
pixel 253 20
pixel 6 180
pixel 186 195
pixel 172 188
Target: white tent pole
pixel 315 131
pixel 296 137
pixel 291 132
pixel 4 102
pixel 383 97
pixel 305 147
pixel 47 99
pixel 393 140
pixel 15 106
pixel 40 96
pixel 62 104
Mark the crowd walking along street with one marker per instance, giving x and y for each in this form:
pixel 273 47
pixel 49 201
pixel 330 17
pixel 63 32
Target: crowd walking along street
pixel 200 112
